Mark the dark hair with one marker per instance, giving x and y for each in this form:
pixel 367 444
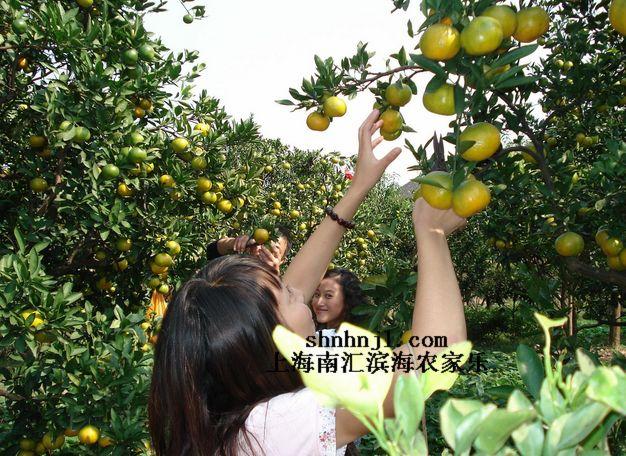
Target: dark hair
pixel 215 359
pixel 286 233
pixel 352 294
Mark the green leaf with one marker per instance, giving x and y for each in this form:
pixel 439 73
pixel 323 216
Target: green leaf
pixel 19 239
pixel 459 99
pixel 608 385
pixel 581 423
pixel 530 369
pixel 470 426
pixel 515 55
pixel 408 403
pixel 451 415
pixel 285 102
pixel 498 426
pixel 428 65
pixel 515 82
pixel 434 84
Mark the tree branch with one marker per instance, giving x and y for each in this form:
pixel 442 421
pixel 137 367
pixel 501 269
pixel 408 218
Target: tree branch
pixel 613 277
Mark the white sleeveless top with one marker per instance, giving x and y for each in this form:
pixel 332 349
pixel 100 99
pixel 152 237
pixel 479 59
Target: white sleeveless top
pixel 292 424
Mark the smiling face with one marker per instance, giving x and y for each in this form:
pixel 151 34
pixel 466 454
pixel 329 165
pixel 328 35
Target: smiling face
pixel 328 303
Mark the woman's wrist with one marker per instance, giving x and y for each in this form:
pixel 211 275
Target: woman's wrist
pixel 429 235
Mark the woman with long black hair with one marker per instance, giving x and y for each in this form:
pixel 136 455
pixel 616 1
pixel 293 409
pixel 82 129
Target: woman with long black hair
pixel 216 388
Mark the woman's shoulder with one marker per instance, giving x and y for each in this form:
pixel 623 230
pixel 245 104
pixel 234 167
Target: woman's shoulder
pixel 294 423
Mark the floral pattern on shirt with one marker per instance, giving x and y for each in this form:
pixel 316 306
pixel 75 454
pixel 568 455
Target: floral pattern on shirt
pixel 327 434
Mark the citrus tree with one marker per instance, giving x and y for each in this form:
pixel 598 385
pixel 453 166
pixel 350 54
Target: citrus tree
pixel 114 177
pixel 535 97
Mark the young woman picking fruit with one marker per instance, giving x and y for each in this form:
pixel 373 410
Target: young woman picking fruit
pixel 215 387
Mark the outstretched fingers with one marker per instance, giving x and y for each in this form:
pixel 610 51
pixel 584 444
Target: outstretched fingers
pixel 366 127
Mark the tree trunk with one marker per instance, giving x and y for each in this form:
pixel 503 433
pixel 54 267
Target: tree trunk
pixel 615 331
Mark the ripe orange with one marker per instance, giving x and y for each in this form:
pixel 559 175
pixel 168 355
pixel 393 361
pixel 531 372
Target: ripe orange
pixel 36 141
pixel 441 101
pixel 104 442
pixel 166 180
pixel 529 158
pixel 261 235
pixel 52 441
pixel 612 246
pixel 531 24
pixel 203 185
pixel 69 432
pixel 203 128
pixel 173 247
pixel 37 321
pixel 123 244
pixel 124 190
pixel 486 139
pixel 317 122
pixel 469 198
pixel 334 107
pixel 617 15
pixel 569 244
pixel 89 434
pixel 209 197
pixel 225 206
pixel 505 16
pixel 163 260
pixel 602 235
pixel 38 185
pixel 440 42
pixel 392 121
pixel 390 136
pixel 440 198
pixel 622 257
pixel 179 145
pixel 615 263
pixel 482 36
pixel 398 94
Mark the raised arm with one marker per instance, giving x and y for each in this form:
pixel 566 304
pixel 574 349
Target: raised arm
pixel 308 267
pixel 438 304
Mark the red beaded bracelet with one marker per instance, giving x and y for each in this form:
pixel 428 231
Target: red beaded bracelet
pixel 336 218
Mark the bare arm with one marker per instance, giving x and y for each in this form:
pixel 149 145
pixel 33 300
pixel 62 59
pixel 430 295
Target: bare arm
pixel 308 267
pixel 438 304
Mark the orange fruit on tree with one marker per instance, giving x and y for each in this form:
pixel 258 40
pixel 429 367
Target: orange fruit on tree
pixel 440 42
pixel 203 128
pixel 602 235
pixel 334 107
pixel 156 269
pixel 617 15
pixel 163 260
pixel 438 197
pixel 179 145
pixel 505 16
pixel 470 197
pixel 569 244
pixel 441 101
pixel 124 190
pixel 392 121
pixel 88 435
pixel 37 141
pixel 398 94
pixel 317 122
pixel 390 136
pixel 622 256
pixel 224 206
pixel 53 441
pixel 615 263
pixel 531 24
pixel 166 180
pixel 105 441
pixel 612 246
pixel 261 235
pixel 482 36
pixel 38 185
pixel 486 139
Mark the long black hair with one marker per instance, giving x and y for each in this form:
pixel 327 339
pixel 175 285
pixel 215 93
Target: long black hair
pixel 215 359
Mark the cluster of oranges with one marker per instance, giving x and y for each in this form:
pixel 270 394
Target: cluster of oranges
pixel 87 435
